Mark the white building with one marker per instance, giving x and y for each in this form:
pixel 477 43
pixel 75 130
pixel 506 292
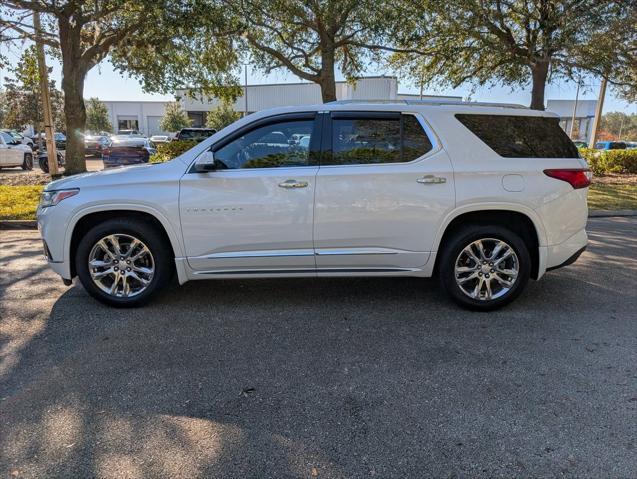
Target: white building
pixel 583 116
pixel 260 97
pixel 146 115
pixel 136 115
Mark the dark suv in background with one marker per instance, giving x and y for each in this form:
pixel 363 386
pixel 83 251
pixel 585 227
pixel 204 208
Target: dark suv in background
pixel 195 134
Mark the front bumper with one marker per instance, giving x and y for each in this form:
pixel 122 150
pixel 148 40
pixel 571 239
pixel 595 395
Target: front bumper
pixel 53 232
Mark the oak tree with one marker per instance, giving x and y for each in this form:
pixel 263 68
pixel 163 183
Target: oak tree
pixel 164 43
pixel 310 38
pixel 510 42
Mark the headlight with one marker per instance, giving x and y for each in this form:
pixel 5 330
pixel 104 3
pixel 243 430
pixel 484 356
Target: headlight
pixel 52 198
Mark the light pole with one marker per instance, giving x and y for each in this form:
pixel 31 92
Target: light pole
pixel 579 81
pixel 598 113
pixel 245 87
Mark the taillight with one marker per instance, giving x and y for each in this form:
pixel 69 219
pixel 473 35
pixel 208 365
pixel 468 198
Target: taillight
pixel 577 177
pixel 106 152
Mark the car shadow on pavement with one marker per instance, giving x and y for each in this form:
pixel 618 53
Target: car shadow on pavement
pixel 349 377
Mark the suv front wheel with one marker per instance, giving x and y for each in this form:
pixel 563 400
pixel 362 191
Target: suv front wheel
pixel 484 267
pixel 123 262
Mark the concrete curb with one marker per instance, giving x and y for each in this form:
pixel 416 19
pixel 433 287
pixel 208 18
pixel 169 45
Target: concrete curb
pixel 610 213
pixel 18 225
pixel 32 224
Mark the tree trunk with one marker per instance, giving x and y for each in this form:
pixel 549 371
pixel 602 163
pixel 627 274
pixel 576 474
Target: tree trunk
pixel 73 76
pixel 539 71
pixel 328 78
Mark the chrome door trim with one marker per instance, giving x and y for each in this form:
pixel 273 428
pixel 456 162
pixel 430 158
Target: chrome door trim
pixel 256 254
pixel 305 270
pixel 354 251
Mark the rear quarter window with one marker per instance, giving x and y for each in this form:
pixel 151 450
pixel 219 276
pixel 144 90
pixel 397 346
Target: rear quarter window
pixel 513 136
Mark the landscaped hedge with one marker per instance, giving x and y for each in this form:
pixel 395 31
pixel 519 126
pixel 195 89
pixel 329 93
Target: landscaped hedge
pixel 168 151
pixel 602 162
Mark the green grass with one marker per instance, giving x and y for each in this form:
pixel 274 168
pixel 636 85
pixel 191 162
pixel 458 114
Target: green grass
pixel 612 197
pixel 19 202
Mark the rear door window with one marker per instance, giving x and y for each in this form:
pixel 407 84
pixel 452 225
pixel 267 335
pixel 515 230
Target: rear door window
pixel 367 138
pixel 514 136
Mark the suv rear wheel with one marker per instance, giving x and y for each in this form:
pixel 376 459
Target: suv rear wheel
pixel 123 262
pixel 484 267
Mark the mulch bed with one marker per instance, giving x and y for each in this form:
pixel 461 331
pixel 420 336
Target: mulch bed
pixel 24 178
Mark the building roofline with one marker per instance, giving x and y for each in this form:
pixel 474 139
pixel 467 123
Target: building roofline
pixel 373 77
pixel 137 101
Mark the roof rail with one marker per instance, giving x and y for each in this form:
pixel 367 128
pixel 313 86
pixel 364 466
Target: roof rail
pixel 430 102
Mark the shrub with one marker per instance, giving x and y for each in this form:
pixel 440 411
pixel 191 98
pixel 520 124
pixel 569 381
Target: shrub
pixel 168 151
pixel 602 162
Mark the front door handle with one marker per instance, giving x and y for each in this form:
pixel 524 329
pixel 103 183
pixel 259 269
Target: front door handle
pixel 431 180
pixel 293 184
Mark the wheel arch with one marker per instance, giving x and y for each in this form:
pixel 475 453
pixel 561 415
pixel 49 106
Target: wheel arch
pixel 523 221
pixel 87 218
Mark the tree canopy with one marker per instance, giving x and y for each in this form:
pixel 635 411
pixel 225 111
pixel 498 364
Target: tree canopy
pixel 310 38
pixel 511 42
pixel 222 116
pixel 21 99
pixel 163 43
pixel 97 118
pixel 175 118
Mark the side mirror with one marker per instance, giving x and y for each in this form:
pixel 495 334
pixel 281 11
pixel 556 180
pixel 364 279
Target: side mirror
pixel 205 162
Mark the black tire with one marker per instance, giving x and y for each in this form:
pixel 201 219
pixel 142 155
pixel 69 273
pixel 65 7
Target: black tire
pixel 147 233
pixel 27 164
pixel 43 162
pixel 467 235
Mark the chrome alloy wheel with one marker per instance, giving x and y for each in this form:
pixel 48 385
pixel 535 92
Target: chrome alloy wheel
pixel 121 265
pixel 486 269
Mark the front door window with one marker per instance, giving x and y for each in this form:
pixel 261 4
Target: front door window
pixel 282 144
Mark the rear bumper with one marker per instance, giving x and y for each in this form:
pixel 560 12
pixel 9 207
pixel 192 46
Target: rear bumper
pixel 570 260
pixel 566 252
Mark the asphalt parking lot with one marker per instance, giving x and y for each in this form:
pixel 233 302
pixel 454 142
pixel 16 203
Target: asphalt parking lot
pixel 322 378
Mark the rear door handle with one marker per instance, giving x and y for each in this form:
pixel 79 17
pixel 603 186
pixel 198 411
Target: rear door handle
pixel 431 180
pixel 293 184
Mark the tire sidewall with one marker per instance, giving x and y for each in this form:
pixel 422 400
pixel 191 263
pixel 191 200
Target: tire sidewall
pixel 468 235
pixel 44 164
pixel 145 232
pixel 27 164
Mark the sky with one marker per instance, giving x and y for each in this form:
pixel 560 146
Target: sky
pixel 105 83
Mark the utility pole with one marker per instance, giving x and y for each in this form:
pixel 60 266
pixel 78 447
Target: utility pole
pixel 46 98
pixel 598 113
pixel 579 81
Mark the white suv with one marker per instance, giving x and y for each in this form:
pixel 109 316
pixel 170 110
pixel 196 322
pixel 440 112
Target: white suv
pixel 483 196
pixel 14 153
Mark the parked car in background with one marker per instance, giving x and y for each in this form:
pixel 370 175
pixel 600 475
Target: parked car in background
pixel 610 145
pixel 94 144
pixel 13 153
pixel 127 150
pixel 43 160
pixel 195 134
pixel 580 144
pixel 160 139
pixel 631 145
pixel 60 140
pixel 25 140
pixel 129 133
pixel 483 196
